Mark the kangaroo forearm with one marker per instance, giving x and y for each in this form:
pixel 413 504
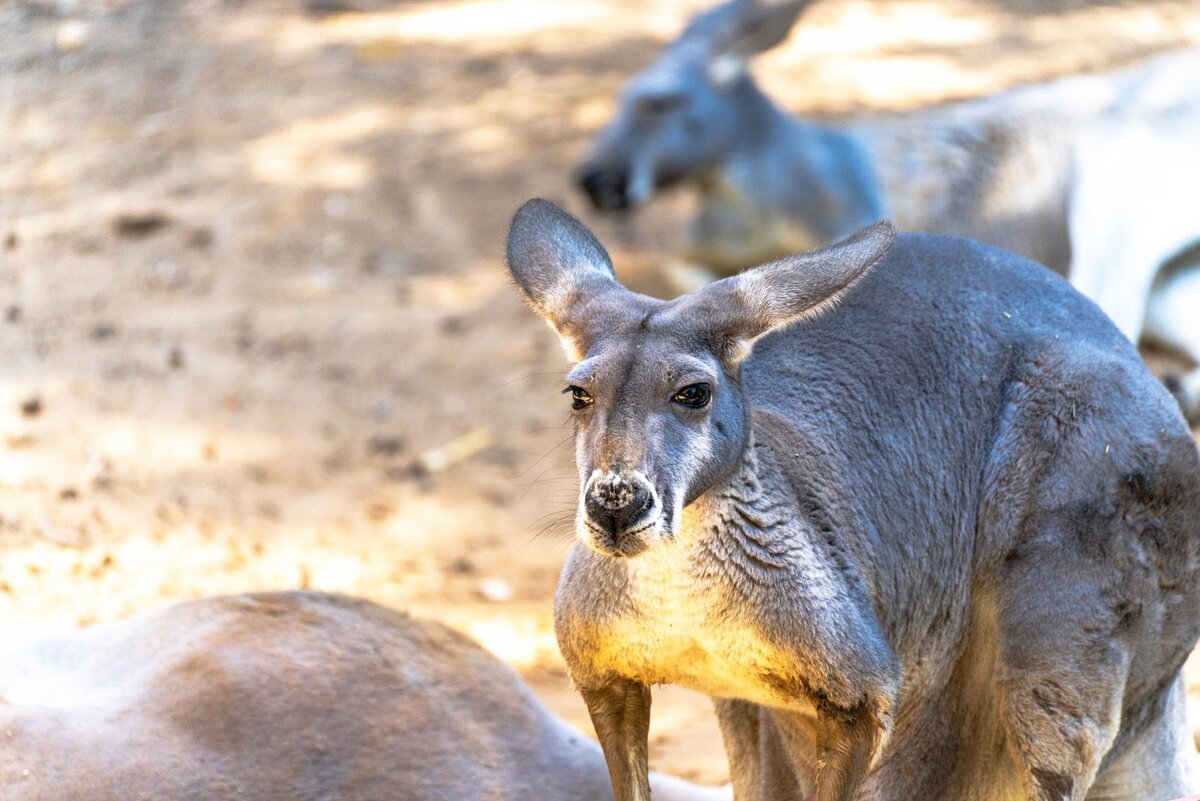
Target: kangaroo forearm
pixel 620 713
pixel 846 741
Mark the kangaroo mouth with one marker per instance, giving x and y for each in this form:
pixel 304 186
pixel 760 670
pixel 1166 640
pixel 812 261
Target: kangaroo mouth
pixel 625 548
pixel 637 531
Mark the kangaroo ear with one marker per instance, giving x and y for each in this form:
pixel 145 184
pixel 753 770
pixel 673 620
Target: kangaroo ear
pixel 744 28
pixel 743 308
pixel 559 267
pixel 733 32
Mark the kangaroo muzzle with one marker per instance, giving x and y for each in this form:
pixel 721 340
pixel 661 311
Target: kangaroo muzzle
pixel 606 186
pixel 619 513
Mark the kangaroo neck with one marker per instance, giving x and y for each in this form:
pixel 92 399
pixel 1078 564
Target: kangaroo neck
pixel 774 530
pixel 746 518
pixel 789 185
pixel 769 142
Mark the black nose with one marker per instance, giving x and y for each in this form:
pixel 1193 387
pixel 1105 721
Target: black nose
pixel 606 187
pixel 617 509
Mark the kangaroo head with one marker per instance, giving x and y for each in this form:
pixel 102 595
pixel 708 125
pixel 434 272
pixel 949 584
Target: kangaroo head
pixel 689 110
pixel 660 413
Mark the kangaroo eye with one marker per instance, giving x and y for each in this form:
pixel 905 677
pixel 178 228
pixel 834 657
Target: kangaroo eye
pixel 580 397
pixel 693 396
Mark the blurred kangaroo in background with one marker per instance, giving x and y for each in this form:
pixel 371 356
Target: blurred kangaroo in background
pixel 296 696
pixel 1093 176
pixel 941 541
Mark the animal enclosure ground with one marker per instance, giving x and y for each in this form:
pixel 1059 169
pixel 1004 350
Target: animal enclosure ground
pixel 254 328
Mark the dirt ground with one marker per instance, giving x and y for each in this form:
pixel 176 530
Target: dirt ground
pixel 255 330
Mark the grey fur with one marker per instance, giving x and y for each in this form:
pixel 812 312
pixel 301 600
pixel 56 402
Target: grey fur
pixel 939 541
pixel 1093 176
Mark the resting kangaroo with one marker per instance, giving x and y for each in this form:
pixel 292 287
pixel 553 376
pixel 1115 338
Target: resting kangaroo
pixel 1094 176
pixel 294 696
pixel 909 508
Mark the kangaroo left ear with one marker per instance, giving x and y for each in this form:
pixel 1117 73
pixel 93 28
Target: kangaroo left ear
pixel 759 26
pixel 560 267
pixel 733 32
pixel 743 308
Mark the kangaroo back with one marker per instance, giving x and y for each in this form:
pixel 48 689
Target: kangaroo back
pixel 299 695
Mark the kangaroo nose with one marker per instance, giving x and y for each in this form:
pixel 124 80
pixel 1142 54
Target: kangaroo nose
pixel 607 188
pixel 617 507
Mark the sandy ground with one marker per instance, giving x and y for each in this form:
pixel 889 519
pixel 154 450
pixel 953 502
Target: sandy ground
pixel 254 330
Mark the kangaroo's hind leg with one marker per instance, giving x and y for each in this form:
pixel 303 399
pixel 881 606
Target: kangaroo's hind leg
pixel 1157 761
pixel 772 754
pixel 1060 676
pixel 1089 520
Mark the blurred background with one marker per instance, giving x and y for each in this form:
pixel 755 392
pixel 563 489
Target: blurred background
pixel 255 332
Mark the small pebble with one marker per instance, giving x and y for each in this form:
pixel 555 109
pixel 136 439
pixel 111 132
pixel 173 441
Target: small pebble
pixel 200 238
pixel 167 273
pixel 453 325
pixel 496 590
pixel 386 445
pixel 103 331
pixel 462 566
pixel 139 223
pixel 31 407
pixel 71 35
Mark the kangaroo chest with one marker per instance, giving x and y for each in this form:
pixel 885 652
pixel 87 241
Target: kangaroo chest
pixel 680 628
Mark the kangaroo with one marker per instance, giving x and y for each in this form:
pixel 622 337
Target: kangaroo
pixel 299 696
pixel 941 541
pixel 1093 176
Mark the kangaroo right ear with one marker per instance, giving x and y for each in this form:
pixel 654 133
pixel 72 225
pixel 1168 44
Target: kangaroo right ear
pixel 559 266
